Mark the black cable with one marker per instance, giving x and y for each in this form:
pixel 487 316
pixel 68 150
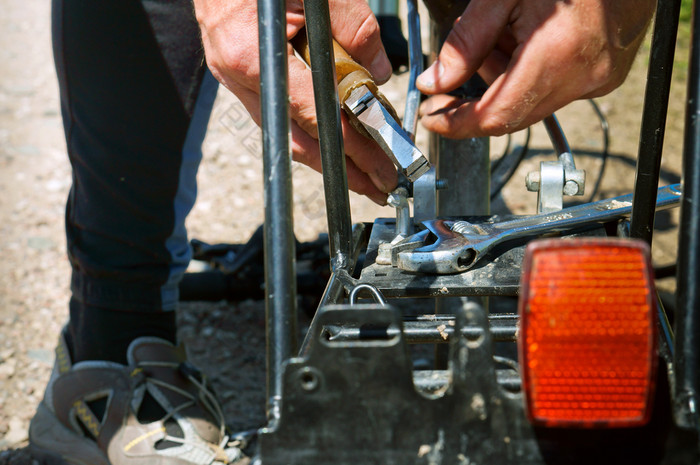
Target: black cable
pixel 497 162
pixel 519 157
pixel 605 127
pixel 501 181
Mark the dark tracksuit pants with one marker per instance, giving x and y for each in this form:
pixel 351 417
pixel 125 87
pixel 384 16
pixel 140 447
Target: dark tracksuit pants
pixel 135 98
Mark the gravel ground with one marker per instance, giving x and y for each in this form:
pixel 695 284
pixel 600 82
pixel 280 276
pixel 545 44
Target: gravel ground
pixel 227 340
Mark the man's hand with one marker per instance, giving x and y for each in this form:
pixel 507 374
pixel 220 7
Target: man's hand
pixel 537 56
pixel 230 38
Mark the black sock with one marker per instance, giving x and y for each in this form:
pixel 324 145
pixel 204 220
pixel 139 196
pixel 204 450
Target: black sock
pixel 96 333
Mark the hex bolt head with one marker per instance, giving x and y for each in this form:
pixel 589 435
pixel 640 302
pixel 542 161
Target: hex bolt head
pixel 532 181
pixel 570 188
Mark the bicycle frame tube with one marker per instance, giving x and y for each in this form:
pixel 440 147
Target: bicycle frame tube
pixel 280 269
pixel 651 138
pixel 687 323
pixel 330 137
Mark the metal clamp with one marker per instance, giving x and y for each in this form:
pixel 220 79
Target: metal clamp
pixel 556 178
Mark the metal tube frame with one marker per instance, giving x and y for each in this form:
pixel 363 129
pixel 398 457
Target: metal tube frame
pixel 410 119
pixel 687 321
pixel 335 183
pixel 653 127
pixel 280 263
pixel 280 268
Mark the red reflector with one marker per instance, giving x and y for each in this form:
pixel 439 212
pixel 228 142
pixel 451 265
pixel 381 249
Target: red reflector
pixel 588 334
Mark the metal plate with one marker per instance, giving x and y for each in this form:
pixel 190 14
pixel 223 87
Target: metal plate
pixel 355 402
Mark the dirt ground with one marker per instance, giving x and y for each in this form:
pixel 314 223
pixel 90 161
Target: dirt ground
pixel 226 340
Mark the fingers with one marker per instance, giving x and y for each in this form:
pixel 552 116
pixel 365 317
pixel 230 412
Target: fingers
pixel 461 118
pixel 366 169
pixel 530 78
pixel 466 46
pixel 356 29
pixel 305 150
pixel 229 35
pixel 365 153
pixel 517 98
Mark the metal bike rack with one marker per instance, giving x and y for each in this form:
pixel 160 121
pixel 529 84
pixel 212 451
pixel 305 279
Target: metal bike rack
pixel 341 389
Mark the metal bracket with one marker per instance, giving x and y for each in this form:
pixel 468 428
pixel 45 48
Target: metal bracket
pixel 556 178
pixel 337 410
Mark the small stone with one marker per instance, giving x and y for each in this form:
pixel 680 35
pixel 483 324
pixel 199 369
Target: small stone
pixel 55 185
pixel 6 354
pixel 42 355
pixel 40 243
pixel 27 150
pixel 7 369
pixel 207 332
pixel 17 433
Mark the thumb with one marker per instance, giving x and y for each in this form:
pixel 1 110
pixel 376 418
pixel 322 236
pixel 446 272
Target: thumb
pixel 470 41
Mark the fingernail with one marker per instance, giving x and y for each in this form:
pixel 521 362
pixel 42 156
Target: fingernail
pixel 381 66
pixel 428 78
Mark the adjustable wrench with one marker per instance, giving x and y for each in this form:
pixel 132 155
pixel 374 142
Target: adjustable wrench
pixel 461 244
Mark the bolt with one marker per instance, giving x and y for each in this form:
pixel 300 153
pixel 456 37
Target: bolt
pixel 397 197
pixel 570 188
pixel 441 184
pixel 532 181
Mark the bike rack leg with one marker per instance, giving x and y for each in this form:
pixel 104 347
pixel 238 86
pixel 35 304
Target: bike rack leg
pixel 280 272
pixel 330 136
pixel 654 119
pixel 687 322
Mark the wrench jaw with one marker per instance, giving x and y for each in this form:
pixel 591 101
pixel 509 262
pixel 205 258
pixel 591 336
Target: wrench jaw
pixel 452 252
pixel 447 261
pixel 388 252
